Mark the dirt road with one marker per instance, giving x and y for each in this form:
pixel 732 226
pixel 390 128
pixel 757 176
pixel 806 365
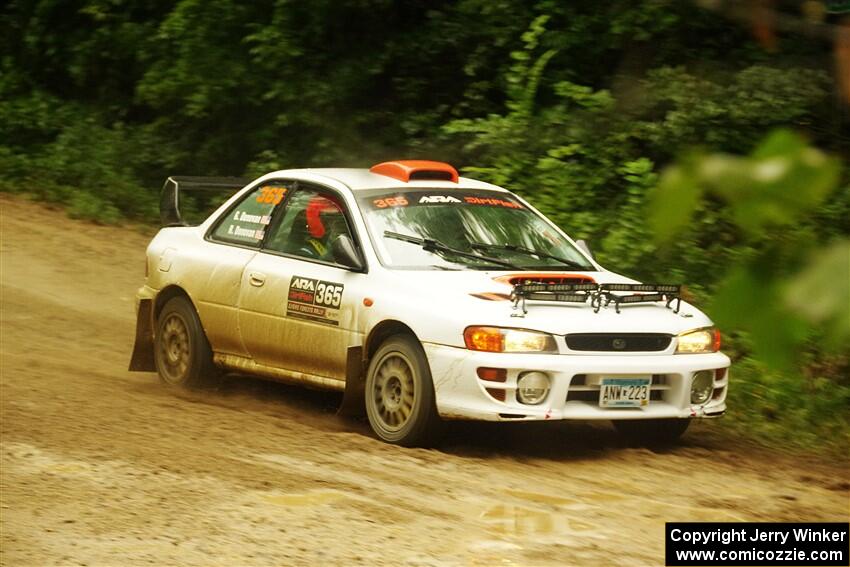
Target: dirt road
pixel 101 466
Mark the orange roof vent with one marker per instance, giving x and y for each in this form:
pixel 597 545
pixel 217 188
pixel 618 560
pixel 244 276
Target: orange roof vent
pixel 416 170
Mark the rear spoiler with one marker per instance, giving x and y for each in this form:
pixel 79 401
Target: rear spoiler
pixel 169 200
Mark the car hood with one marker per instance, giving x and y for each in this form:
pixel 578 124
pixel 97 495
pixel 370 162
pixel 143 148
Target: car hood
pixel 457 296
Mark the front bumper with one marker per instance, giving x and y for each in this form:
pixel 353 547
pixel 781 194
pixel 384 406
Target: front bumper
pixel 574 380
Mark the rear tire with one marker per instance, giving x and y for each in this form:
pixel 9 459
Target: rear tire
pixel 181 351
pixel 651 431
pixel 400 400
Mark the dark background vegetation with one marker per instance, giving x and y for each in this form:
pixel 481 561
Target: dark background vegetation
pixel 698 142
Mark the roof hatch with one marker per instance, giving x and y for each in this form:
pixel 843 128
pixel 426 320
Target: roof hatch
pixel 416 170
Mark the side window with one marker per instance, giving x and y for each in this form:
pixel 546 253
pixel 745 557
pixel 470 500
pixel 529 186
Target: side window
pixel 312 221
pixel 246 223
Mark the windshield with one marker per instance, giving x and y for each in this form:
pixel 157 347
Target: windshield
pixel 457 229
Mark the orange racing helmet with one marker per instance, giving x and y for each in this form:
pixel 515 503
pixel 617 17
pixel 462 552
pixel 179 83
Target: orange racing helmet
pixel 316 208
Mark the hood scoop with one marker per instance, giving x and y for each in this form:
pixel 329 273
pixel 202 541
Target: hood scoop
pixel 531 278
pixel 544 278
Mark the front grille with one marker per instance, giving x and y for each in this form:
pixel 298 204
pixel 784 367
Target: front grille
pixel 619 342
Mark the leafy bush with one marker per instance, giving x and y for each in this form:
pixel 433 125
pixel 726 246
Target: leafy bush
pixel 785 294
pixel 89 207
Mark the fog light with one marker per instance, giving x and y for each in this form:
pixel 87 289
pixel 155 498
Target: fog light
pixel 702 386
pixel 532 388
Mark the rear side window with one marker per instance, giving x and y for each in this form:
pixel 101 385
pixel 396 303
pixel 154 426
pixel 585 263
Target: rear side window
pixel 246 223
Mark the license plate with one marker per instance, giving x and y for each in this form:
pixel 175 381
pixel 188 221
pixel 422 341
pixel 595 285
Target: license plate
pixel 624 392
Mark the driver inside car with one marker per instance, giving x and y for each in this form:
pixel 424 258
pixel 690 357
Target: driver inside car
pixel 325 223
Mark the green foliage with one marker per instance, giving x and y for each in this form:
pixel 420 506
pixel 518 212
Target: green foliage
pixel 781 182
pixel 769 196
pixel 807 410
pixel 820 291
pixel 90 207
pixel 629 242
pixel 92 168
pixel 728 109
pixel 788 292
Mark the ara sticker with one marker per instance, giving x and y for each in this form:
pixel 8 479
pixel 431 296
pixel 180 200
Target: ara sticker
pixel 438 199
pixel 314 300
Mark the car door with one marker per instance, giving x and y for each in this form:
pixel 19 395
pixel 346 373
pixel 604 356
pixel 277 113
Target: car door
pixel 299 306
pixel 216 275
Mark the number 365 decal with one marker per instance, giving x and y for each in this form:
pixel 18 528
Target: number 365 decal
pixel 328 294
pixel 315 300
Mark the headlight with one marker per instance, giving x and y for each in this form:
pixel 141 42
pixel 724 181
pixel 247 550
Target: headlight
pixel 496 339
pixel 702 385
pixel 699 341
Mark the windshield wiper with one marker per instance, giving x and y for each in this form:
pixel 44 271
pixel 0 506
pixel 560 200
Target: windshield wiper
pixel 529 251
pixel 430 245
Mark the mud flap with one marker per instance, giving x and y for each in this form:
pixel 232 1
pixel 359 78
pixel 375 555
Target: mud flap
pixel 142 359
pixel 355 385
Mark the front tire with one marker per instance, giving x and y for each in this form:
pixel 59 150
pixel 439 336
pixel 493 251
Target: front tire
pixel 652 432
pixel 181 351
pixel 400 400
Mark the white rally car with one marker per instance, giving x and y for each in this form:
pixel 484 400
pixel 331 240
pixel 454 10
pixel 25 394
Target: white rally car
pixel 425 297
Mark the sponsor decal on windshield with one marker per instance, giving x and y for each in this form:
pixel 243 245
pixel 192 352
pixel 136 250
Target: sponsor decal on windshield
pixel 492 201
pixel 438 199
pixel 314 300
pixel 389 202
pixel 460 198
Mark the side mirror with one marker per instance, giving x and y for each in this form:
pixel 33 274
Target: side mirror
pixel 345 253
pixel 583 245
